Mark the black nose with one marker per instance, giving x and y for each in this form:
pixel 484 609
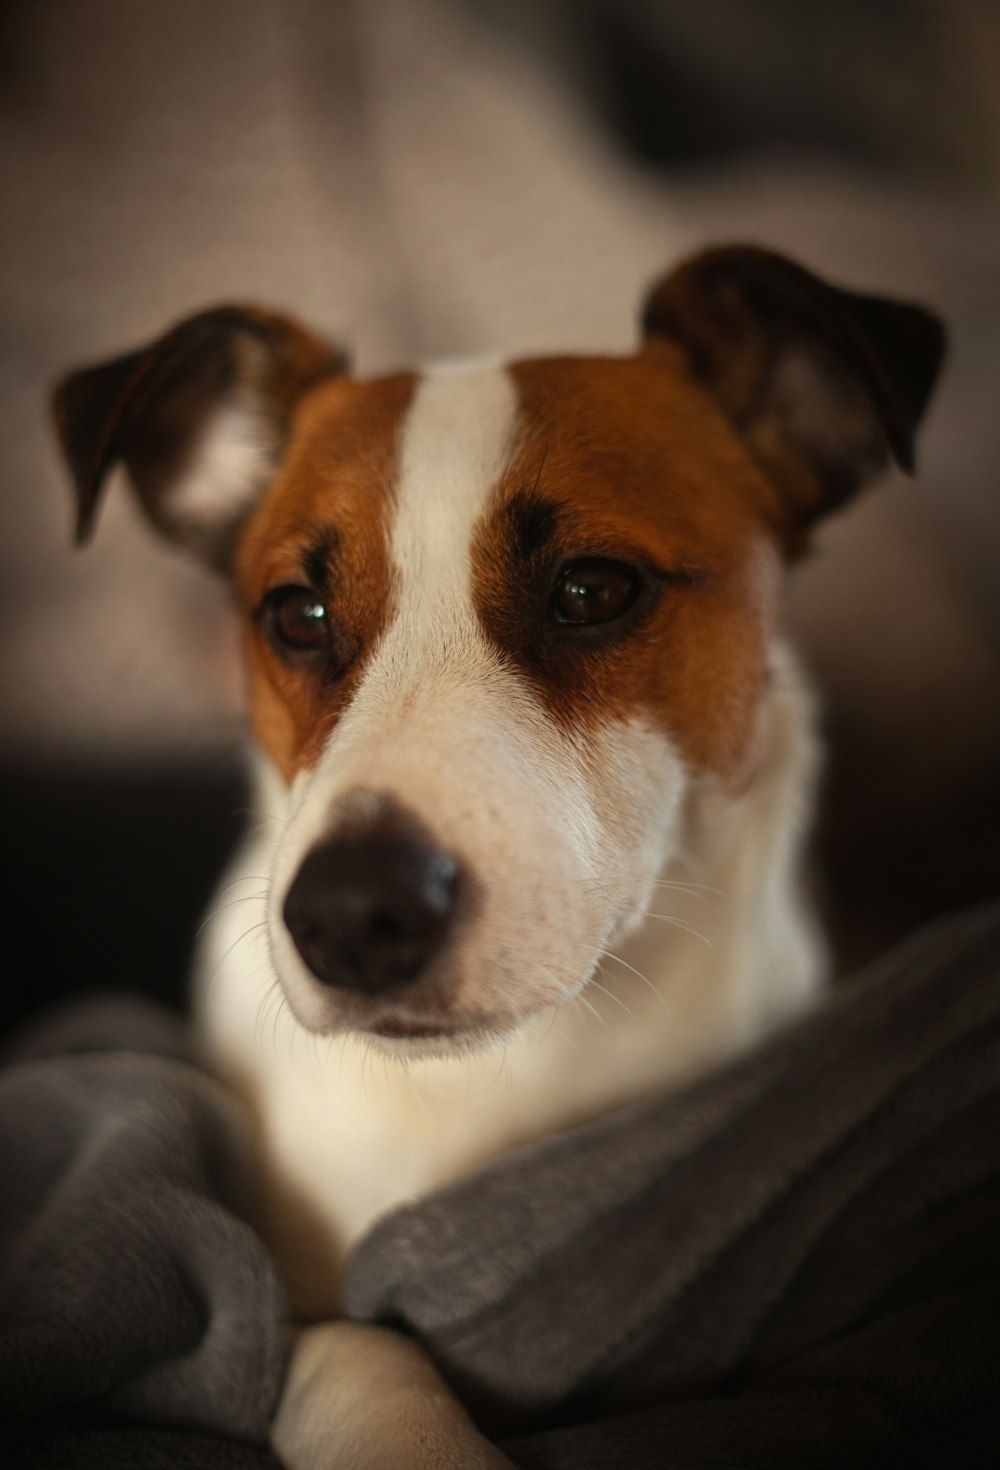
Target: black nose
pixel 369 909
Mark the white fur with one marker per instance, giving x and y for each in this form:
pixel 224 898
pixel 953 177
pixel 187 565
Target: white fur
pixel 568 843
pixel 227 469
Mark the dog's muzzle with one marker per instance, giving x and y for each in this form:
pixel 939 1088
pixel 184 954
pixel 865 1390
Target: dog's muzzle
pixel 371 907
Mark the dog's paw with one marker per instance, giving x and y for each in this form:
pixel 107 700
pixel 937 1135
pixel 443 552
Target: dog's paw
pixel 365 1398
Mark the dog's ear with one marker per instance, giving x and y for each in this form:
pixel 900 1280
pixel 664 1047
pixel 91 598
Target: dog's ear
pixel 823 385
pixel 199 420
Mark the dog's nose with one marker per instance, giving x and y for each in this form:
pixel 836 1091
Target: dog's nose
pixel 369 909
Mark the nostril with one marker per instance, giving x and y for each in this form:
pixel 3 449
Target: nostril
pixel 370 909
pixel 390 927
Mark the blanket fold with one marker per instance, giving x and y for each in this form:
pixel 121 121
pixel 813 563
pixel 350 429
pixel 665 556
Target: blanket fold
pixel 795 1261
pixel 847 1171
pixel 128 1276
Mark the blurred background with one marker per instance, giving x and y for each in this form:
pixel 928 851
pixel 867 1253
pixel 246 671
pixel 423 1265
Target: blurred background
pixel 425 177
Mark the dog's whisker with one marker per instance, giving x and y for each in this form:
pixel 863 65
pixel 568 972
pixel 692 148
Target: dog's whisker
pixel 254 829
pixel 413 1087
pixel 496 1076
pixel 680 924
pixel 593 1010
pixel 569 1040
pixel 277 1017
pixel 276 1034
pixel 611 995
pixel 247 898
pixel 703 892
pixel 266 1000
pixel 245 878
pixel 552 1022
pixel 364 1072
pixel 638 973
pixel 271 1015
pixel 552 1028
pixel 254 928
pixel 687 883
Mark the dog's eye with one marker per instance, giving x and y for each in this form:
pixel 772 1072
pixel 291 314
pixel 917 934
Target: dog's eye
pixel 295 621
pixel 594 592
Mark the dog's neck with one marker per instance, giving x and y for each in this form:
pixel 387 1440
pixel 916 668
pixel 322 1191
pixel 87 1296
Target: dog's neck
pixel 728 951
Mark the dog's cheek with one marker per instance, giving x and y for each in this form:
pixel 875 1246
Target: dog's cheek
pixel 289 721
pixel 273 723
pixel 638 782
pixel 701 676
pixel 544 912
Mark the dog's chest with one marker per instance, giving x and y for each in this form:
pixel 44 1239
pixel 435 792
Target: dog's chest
pixel 346 1135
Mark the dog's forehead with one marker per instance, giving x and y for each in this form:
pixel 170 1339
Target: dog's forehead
pixel 628 441
pixel 432 507
pixel 455 443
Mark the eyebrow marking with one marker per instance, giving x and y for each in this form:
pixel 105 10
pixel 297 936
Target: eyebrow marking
pixel 532 521
pixel 316 557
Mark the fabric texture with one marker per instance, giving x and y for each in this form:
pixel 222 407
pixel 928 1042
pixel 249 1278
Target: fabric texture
pixel 129 1278
pixel 796 1261
pixel 801 1254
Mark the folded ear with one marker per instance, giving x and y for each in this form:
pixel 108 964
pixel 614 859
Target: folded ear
pixel 824 385
pixel 199 419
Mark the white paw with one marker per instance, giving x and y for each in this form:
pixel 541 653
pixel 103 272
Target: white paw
pixel 366 1398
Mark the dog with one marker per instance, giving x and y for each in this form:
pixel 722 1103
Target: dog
pixel 533 763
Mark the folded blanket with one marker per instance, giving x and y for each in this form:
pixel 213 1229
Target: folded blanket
pixel 794 1262
pixel 128 1278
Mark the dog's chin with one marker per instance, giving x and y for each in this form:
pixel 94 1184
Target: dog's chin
pixel 424 1043
pixel 400 1035
pixel 410 1040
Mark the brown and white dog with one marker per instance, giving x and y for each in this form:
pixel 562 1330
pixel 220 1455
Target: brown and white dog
pixel 533 764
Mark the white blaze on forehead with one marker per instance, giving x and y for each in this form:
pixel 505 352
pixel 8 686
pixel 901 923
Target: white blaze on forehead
pixel 455 441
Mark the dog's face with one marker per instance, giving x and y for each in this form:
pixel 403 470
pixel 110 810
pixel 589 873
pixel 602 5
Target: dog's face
pixel 503 616
pixel 502 623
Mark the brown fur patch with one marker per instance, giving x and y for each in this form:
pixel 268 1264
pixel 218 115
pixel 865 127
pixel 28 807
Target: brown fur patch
pixel 148 408
pixel 630 459
pixel 823 384
pixel 330 502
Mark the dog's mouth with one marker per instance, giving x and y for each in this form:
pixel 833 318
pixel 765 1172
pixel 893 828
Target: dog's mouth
pixel 416 1031
pixel 429 1036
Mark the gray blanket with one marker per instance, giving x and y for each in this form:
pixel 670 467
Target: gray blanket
pixel 129 1279
pixel 795 1262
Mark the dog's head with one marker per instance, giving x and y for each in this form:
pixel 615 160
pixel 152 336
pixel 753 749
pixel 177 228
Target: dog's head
pixel 502 622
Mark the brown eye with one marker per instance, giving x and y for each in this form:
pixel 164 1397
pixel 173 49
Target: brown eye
pixel 594 592
pixel 295 621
